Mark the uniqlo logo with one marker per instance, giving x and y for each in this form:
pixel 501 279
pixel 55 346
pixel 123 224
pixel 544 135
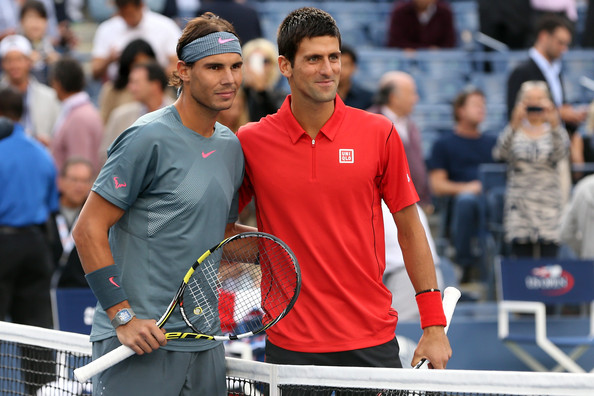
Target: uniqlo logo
pixel 346 156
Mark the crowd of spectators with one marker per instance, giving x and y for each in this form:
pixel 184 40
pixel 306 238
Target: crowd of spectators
pixel 133 52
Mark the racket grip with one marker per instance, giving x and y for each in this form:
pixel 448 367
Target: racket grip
pixel 122 352
pixel 451 295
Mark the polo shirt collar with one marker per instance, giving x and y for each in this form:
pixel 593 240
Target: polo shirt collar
pixel 330 128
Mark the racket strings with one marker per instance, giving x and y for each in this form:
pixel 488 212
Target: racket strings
pixel 247 285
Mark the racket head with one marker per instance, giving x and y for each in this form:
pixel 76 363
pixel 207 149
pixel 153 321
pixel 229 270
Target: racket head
pixel 244 286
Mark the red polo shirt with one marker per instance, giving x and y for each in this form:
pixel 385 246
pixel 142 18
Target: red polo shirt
pixel 323 198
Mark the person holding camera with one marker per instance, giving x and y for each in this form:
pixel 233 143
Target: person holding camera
pixel 532 144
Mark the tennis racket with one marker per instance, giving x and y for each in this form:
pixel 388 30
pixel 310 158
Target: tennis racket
pixel 236 289
pixel 451 295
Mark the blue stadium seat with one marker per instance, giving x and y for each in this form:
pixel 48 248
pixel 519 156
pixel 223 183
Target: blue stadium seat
pixel 439 89
pixel 373 63
pixel 466 22
pixel 444 62
pixel 494 85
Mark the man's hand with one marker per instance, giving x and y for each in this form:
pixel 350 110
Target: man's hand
pixel 433 346
pixel 141 335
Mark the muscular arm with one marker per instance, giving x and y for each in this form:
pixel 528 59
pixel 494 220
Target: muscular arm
pixel 91 237
pixel 434 345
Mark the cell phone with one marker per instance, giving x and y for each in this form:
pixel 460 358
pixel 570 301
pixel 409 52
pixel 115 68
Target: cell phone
pixel 534 109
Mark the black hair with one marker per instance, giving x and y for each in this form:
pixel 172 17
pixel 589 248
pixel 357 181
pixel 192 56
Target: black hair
pixel 33 5
pixel 134 47
pixel 154 73
pixel 305 22
pixel 550 22
pixel 69 73
pixel 11 102
pixel 350 51
pixel 123 3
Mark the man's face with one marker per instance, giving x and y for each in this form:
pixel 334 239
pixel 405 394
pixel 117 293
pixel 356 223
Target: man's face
pixel 405 98
pixel 132 14
pixel 75 185
pixel 16 65
pixel 139 84
pixel 315 73
pixel 474 110
pixel 556 43
pixel 213 81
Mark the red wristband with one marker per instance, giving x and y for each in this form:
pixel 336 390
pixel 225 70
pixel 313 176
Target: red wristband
pixel 431 309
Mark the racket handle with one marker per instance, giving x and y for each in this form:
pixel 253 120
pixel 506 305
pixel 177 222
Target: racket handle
pixel 451 295
pixel 103 363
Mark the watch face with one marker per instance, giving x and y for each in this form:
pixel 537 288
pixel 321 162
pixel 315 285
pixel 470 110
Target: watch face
pixel 124 315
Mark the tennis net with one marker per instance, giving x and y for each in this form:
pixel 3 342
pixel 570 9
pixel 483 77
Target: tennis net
pixel 40 362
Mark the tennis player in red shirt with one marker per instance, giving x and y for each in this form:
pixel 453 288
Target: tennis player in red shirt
pixel 318 171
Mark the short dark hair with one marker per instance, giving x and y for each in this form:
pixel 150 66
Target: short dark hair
pixel 11 102
pixel 382 97
pixel 33 5
pixel 69 73
pixel 550 22
pixel 123 3
pixel 154 72
pixel 462 97
pixel 350 51
pixel 305 22
pixel 75 160
pixel 201 26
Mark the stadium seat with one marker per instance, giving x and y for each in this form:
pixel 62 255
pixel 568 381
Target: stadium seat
pixel 526 287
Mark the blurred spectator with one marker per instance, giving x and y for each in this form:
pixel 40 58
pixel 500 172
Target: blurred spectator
pixel 351 93
pixel 33 19
pixel 396 99
pixel 577 226
pixel 134 20
pixel 507 21
pixel 41 106
pixel 147 84
pixel 28 195
pixel 553 37
pixel 532 144
pixel 418 24
pixel 74 184
pixel 453 172
pixel 260 76
pixel 78 130
pixel 395 277
pixel 243 17
pixel 116 93
pixel 9 18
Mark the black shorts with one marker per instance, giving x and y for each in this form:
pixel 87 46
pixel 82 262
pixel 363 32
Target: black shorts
pixel 384 355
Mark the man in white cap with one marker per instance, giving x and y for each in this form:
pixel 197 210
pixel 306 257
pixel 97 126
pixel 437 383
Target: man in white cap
pixel 41 106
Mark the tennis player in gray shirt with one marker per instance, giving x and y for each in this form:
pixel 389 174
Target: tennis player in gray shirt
pixel 166 194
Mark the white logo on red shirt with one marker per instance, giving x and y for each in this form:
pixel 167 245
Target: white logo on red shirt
pixel 346 156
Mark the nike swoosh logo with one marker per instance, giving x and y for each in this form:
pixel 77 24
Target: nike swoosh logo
pixel 223 41
pixel 207 154
pixel 113 282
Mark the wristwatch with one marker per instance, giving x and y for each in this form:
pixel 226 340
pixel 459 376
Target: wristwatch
pixel 123 316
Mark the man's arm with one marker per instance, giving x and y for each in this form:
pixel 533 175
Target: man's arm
pixel 441 185
pixel 91 237
pixel 434 345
